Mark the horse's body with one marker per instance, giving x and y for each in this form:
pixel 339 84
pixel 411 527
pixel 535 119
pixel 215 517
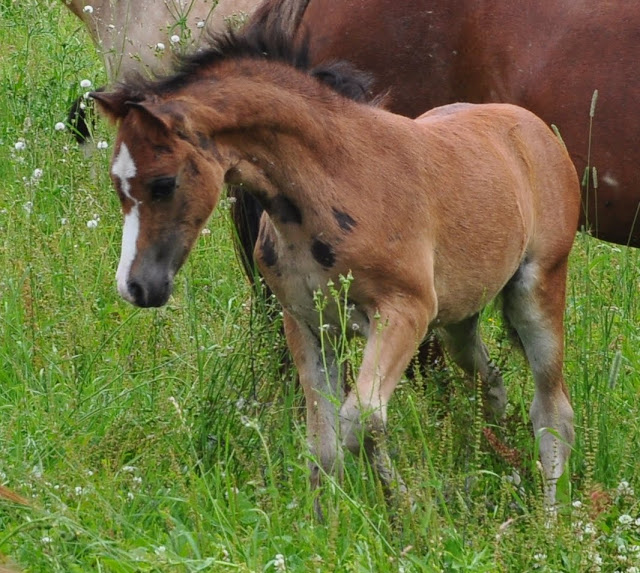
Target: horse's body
pixel 135 35
pixel 433 218
pixel 548 57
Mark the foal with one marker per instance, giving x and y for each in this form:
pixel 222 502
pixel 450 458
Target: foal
pixel 433 218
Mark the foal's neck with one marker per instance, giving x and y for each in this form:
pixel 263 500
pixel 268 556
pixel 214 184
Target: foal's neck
pixel 279 137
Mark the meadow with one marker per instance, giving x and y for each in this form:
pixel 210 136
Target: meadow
pixel 172 440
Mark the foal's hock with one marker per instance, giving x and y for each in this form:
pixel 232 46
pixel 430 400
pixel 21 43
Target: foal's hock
pixel 433 218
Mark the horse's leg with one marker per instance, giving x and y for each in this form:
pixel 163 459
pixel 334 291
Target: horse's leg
pixel 391 345
pixel 468 351
pixel 323 394
pixel 534 302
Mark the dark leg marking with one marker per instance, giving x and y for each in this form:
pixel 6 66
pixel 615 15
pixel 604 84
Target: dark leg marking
pixel 344 220
pixel 323 253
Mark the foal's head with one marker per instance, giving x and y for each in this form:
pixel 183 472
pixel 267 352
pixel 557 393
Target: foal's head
pixel 169 165
pixel 168 184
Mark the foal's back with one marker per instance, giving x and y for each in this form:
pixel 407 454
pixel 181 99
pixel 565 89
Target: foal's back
pixel 502 188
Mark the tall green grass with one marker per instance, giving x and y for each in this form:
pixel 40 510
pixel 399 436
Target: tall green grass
pixel 171 439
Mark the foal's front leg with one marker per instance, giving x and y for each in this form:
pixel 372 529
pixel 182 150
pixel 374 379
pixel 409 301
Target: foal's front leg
pixel 323 393
pixel 389 349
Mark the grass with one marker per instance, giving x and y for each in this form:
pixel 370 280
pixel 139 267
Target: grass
pixel 170 440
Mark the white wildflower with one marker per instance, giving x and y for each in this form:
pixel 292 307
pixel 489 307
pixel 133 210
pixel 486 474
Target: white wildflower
pixel 205 231
pixel 85 84
pixel 160 46
pixel 130 496
pixel 79 490
pixel 175 39
pixel 624 489
pixel 625 519
pixel 129 469
pixel 19 145
pixel 577 504
pixel 279 563
pixel 88 9
pixel 46 540
pixel 59 126
pixel 28 207
pixel 92 224
pixel 102 145
pixel 37 173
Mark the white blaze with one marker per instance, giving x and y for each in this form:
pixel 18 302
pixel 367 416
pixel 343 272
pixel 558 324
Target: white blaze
pixel 124 169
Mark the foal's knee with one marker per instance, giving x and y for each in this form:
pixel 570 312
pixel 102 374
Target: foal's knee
pixel 360 424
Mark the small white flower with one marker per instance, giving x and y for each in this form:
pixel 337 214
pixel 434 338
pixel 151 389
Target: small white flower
pixel 175 39
pixel 633 569
pixel 28 207
pixel 92 224
pixel 355 327
pixel 37 173
pixel 577 504
pixel 200 24
pixel 205 231
pixel 160 550
pixel 78 490
pixel 625 519
pixel 102 144
pixel 88 9
pixel 82 105
pixel 129 469
pixel 64 221
pixel 130 496
pixel 160 46
pixel 137 480
pixel 89 473
pixel 19 145
pixel 59 126
pixel 85 84
pixel 279 563
pixel 46 539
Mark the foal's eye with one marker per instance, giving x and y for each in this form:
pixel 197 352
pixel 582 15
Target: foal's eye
pixel 162 188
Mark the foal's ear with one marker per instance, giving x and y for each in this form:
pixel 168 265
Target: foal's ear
pixel 112 105
pixel 167 115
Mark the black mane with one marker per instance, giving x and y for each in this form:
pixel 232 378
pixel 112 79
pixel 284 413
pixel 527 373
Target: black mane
pixel 257 43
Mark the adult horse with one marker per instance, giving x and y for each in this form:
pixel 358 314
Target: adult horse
pixel 138 35
pixel 431 218
pixel 548 57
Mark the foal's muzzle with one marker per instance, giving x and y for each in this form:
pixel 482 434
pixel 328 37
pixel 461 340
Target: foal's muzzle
pixel 149 294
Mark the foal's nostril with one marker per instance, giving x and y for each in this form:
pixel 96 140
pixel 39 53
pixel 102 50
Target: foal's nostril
pixel 137 292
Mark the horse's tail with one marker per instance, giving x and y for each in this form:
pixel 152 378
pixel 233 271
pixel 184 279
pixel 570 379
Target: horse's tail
pixel 282 15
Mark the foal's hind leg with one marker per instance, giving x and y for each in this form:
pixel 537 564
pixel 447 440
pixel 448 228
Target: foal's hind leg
pixel 468 351
pixel 534 302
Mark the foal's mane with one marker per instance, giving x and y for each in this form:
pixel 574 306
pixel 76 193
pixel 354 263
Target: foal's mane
pixel 260 43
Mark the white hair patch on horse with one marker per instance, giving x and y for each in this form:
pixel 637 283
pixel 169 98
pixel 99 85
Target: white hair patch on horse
pixel 124 169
